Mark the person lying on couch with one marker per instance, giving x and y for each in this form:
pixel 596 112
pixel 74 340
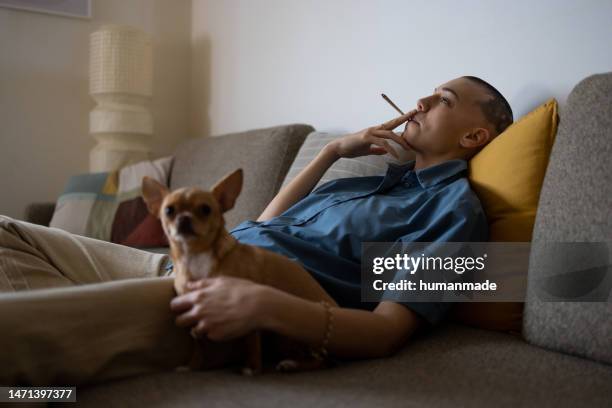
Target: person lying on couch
pixel 426 200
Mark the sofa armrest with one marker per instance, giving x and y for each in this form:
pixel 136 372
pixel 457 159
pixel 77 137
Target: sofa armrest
pixel 39 213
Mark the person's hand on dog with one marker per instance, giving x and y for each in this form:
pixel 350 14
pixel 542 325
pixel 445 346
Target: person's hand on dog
pixel 372 140
pixel 220 308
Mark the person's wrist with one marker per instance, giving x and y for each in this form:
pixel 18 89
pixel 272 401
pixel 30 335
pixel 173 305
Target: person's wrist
pixel 264 310
pixel 330 150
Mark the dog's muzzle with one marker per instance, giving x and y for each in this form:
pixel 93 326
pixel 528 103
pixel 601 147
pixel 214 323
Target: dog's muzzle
pixel 184 225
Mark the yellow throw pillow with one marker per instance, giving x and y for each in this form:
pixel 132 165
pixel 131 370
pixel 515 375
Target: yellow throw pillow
pixel 507 177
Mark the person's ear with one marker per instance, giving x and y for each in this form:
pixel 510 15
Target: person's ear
pixel 477 137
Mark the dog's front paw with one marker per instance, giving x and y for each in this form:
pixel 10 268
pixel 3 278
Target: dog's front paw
pixel 250 372
pixel 287 366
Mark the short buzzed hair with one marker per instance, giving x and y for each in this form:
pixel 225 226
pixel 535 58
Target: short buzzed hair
pixel 496 110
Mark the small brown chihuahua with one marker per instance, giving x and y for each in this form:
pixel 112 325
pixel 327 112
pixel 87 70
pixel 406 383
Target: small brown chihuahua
pixel 201 247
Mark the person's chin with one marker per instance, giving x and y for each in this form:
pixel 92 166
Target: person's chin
pixel 408 139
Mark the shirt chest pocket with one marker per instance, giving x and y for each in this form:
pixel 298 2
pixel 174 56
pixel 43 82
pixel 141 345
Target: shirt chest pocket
pixel 327 206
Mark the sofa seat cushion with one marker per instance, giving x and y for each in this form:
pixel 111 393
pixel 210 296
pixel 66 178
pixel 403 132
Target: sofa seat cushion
pixel 264 154
pixel 452 366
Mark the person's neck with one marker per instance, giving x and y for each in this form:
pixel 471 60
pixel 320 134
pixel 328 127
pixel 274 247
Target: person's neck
pixel 422 161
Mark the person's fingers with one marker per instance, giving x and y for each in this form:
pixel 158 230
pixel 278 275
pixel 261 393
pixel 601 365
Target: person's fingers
pixel 181 303
pixel 393 123
pixel 384 144
pixel 388 134
pixel 199 330
pixel 200 283
pixel 187 319
pixel 193 333
pixel 391 149
pixel 377 150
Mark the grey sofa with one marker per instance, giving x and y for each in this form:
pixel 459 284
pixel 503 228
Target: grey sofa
pixel 563 359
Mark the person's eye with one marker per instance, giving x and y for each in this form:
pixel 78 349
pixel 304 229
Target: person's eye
pixel 445 100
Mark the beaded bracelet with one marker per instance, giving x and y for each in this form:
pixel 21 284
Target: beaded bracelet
pixel 321 353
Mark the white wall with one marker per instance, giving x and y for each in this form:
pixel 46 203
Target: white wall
pixel 44 101
pixel 254 63
pixel 325 62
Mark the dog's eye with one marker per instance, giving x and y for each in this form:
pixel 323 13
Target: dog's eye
pixel 169 211
pixel 204 209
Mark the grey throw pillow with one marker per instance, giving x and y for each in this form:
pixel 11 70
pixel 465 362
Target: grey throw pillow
pixel 264 154
pixel 372 165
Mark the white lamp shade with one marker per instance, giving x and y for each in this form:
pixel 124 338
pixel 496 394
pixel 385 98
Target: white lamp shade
pixel 120 61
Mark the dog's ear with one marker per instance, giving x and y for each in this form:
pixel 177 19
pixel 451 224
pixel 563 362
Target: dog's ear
pixel 153 193
pixel 227 190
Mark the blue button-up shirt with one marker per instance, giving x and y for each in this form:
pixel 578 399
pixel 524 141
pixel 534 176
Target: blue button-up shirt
pixel 323 231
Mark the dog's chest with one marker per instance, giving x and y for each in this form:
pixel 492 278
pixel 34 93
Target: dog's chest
pixel 200 265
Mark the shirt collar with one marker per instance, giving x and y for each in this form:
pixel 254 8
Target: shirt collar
pixel 432 175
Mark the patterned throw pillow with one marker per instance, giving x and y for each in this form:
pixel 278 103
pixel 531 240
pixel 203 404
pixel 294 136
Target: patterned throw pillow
pixel 109 206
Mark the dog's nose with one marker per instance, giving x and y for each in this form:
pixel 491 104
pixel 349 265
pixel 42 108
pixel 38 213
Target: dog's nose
pixel 184 225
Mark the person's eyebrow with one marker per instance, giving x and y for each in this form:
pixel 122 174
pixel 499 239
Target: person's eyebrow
pixel 448 90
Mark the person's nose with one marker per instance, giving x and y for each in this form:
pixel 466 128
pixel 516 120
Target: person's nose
pixel 423 104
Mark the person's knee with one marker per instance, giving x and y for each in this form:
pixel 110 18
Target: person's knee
pixel 10 232
pixel 5 223
pixel 5 219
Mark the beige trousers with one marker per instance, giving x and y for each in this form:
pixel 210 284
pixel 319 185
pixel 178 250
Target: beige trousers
pixel 75 310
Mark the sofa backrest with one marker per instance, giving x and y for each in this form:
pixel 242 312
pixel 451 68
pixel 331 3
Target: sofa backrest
pixel 264 154
pixel 575 206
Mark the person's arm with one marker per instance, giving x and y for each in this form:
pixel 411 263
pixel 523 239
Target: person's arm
pixel 365 142
pixel 356 333
pixel 225 308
